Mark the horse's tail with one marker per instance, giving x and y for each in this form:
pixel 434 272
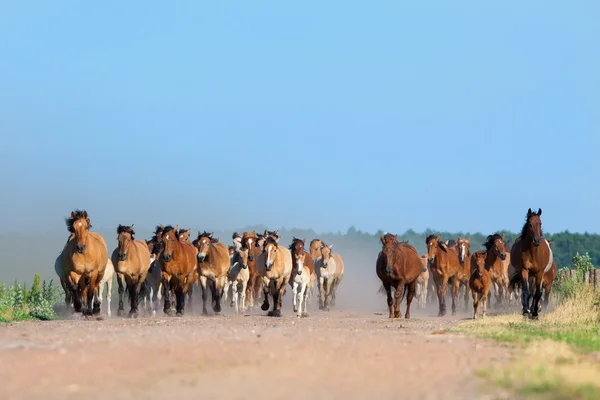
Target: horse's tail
pixel 404 291
pixel 515 281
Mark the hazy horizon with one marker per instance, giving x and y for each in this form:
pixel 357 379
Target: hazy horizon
pixel 321 115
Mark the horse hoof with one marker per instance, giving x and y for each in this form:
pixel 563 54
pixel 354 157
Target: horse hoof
pixel 407 316
pixel 534 316
pixel 295 309
pixel 121 313
pixel 87 313
pixel 168 311
pixel 305 315
pixel 397 315
pixel 217 308
pixel 133 314
pixel 179 313
pixel 265 306
pixel 204 312
pixel 96 310
pixel 274 313
pixel 325 308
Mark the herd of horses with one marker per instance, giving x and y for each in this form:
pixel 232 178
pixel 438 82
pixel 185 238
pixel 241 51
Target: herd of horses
pixel 527 268
pixel 168 267
pixel 257 268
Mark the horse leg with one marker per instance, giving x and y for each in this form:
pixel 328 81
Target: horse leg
pixel 467 296
pixel 525 291
pixel 301 300
pixel 327 289
pixel 180 299
pixel 121 309
pixel 475 303
pixel 547 292
pixel 442 290
pixel 409 297
pixel 295 295
pixel 336 284
pixel 398 299
pixel 108 295
pixel 277 288
pixel 204 294
pixel 321 292
pixel 266 285
pixel 455 293
pixel 134 294
pixel 90 294
pixel 217 293
pixel 234 296
pixel 166 284
pixel 538 294
pixel 243 295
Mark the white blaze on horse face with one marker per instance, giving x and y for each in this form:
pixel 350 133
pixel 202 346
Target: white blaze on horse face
pixel 300 263
pixel 249 244
pixel 464 252
pixel 79 224
pixel 269 260
pixel 203 242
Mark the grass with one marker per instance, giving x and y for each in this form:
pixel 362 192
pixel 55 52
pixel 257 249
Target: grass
pixel 19 304
pixel 553 358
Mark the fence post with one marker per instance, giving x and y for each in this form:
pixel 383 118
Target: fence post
pixel 596 278
pixel 573 274
pixel 586 277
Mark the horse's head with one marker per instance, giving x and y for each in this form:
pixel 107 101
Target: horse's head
pixel 389 242
pixel 432 242
pixel 243 257
pixel 424 262
pixel 184 235
pixel 297 246
pixel 124 238
pixel 231 250
pixel 249 241
pixel 494 244
pixel 273 234
pixel 202 243
pixel 315 248
pixel 464 248
pixel 169 238
pixel 271 250
pixel 299 258
pixel 533 227
pixel 326 254
pixel 79 225
pixel 478 262
pixel 260 241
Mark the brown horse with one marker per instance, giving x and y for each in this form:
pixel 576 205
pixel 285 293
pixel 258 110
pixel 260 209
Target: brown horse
pixel 249 241
pixel 154 276
pixel 547 283
pixel 329 261
pixel 496 266
pixel 399 266
pixel 275 267
pixel 315 249
pixel 479 282
pixel 178 263
pixel 213 267
pixel 184 235
pixel 444 264
pixel 531 256
pixel 131 259
pixel 297 248
pixel 463 247
pixel 84 256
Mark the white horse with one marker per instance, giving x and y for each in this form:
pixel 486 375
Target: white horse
pixel 422 283
pixel 238 279
pixel 153 285
pixel 300 282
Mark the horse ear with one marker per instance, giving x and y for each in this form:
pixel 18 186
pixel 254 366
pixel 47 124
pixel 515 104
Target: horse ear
pixel 469 240
pixel 395 237
pixel 330 246
pixel 529 212
pixel 277 232
pixel 85 214
pixel 381 238
pixel 539 212
pixel 176 228
pixel 502 236
pixel 73 214
pixel 304 240
pixel 210 235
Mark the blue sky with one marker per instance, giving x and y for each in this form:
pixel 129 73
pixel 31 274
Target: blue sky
pixel 383 115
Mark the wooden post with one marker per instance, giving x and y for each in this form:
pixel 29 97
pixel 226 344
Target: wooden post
pixel 586 277
pixel 596 278
pixel 573 274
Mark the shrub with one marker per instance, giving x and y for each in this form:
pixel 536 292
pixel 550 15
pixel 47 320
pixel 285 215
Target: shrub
pixel 17 303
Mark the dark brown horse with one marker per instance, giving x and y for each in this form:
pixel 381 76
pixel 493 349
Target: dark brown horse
pixel 154 277
pixel 532 257
pixel 444 265
pixel 479 282
pixel 249 240
pixel 179 263
pixel 398 266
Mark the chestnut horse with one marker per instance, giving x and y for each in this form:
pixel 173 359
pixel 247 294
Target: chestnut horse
pixel 249 241
pixel 179 264
pixel 531 256
pixel 444 264
pixel 479 282
pixel 131 259
pixel 184 235
pixel 213 267
pixel 84 256
pixel 297 248
pixel 275 267
pixel 463 247
pixel 496 266
pixel 399 266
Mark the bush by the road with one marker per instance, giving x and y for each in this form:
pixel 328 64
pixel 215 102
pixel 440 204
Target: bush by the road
pixel 18 304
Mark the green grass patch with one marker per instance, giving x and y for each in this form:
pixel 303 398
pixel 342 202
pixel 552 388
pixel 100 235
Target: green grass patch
pixel 19 304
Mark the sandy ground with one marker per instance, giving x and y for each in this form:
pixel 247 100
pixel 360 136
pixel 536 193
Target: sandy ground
pixel 340 354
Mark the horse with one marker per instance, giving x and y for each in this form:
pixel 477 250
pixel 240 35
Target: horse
pixel 444 264
pixel 178 262
pixel 132 262
pixel 238 279
pixel 531 255
pixel 463 246
pixel 329 271
pixel 422 284
pixel 297 247
pixel 184 235
pixel 213 267
pixel 260 241
pixel 107 281
pixel 274 234
pixel 249 240
pixel 275 267
pixel 398 265
pixel 513 292
pixel 237 241
pixel 479 282
pixel 315 249
pixel 301 279
pixel 498 269
pixel 84 256
pixel 154 277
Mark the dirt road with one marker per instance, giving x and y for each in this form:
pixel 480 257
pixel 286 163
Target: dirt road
pixel 341 354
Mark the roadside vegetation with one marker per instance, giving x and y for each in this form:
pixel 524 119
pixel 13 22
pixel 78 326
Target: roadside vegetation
pixel 557 356
pixel 17 303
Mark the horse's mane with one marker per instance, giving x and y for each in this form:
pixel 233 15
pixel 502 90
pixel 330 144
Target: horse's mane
pixel 315 240
pixel 78 214
pixel 235 235
pixel 430 237
pixel 168 228
pixel 182 231
pixel 490 240
pixel 231 248
pixel 294 241
pixel 272 240
pixel 126 229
